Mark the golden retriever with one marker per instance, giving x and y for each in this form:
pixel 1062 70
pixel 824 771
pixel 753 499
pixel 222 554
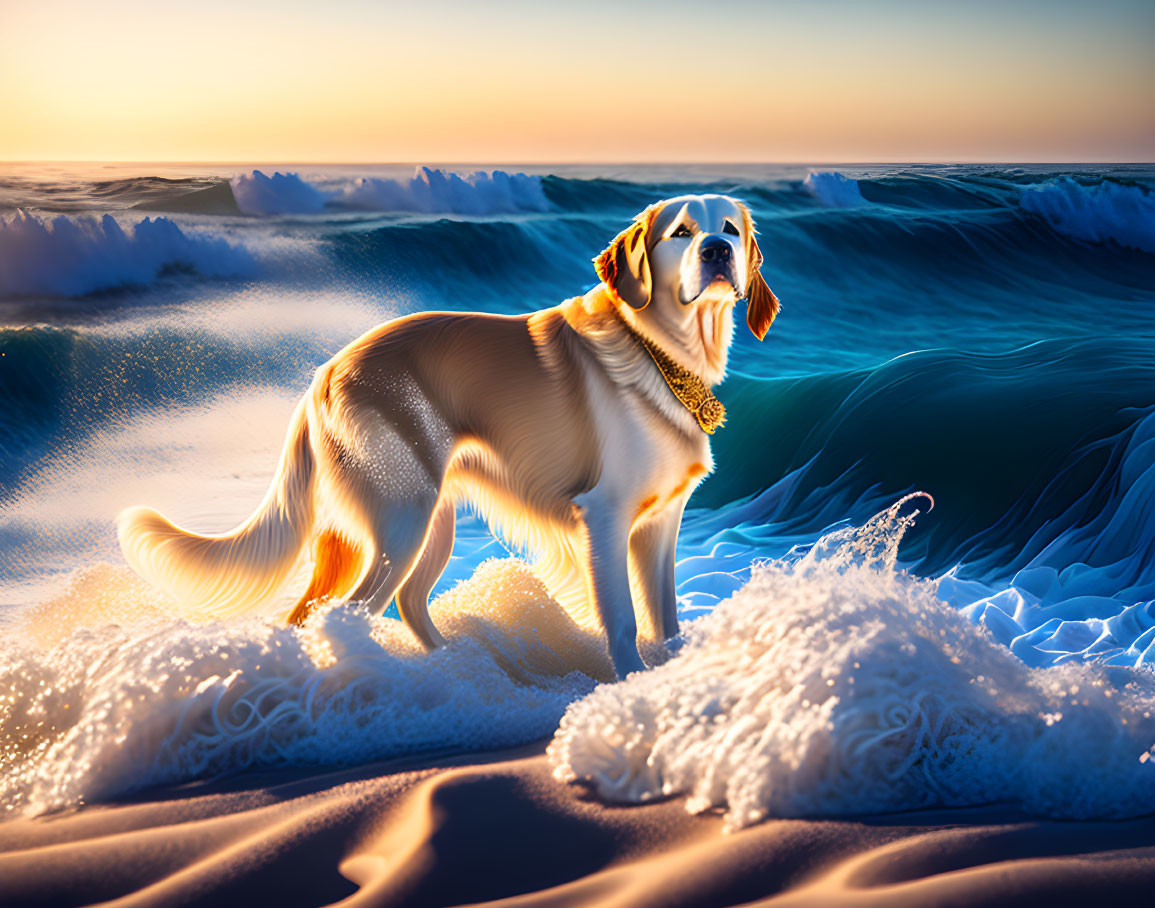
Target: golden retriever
pixel 578 431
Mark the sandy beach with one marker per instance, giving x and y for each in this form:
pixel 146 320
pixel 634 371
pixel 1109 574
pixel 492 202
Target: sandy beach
pixel 499 830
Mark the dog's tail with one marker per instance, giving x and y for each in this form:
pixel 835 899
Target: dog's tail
pixel 235 571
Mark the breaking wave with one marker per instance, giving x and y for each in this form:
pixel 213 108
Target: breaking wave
pixel 435 191
pixel 282 193
pixel 1099 213
pixel 429 191
pixel 73 256
pixel 833 189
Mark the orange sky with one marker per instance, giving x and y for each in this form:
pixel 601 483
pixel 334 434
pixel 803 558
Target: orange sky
pixel 512 81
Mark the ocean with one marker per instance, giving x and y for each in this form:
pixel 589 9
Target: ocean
pixel 981 334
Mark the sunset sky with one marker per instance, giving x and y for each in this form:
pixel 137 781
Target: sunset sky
pixel 512 81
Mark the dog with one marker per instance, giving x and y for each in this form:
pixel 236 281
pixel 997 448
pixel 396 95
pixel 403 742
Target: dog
pixel 578 432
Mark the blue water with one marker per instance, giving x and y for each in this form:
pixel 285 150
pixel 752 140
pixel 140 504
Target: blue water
pixel 981 333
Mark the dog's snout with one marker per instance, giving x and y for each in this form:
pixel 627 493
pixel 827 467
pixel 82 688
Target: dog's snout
pixel 715 249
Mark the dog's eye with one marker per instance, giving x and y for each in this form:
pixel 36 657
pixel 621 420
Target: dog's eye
pixel 682 231
pixel 730 228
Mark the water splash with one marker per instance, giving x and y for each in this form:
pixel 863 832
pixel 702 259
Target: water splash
pixel 837 686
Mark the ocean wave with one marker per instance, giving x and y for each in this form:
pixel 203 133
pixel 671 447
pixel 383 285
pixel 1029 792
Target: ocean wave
pixel 839 269
pixel 601 195
pixel 436 191
pixel 1084 584
pixel 74 256
pixel 81 194
pixel 938 192
pixel 113 709
pixel 507 266
pixel 147 187
pixel 429 191
pixel 62 385
pixel 1061 570
pixel 1099 213
pixel 282 193
pixel 1012 445
pixel 837 686
pixel 833 189
pixel 214 198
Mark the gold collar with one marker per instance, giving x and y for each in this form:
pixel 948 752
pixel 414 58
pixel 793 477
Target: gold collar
pixel 690 390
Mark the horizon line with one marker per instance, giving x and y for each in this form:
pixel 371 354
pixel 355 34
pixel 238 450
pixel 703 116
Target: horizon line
pixel 590 162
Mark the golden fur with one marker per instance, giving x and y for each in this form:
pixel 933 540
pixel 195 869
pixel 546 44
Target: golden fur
pixel 556 426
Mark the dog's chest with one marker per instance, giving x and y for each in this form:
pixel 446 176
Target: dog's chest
pixel 648 456
pixel 651 446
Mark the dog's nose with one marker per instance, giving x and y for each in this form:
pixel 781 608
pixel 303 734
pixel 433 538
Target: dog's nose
pixel 715 249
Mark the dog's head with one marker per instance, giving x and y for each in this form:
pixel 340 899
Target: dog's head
pixel 681 265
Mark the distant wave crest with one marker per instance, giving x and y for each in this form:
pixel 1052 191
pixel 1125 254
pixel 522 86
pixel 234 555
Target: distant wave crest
pixel 833 189
pixel 282 193
pixel 432 191
pixel 1097 214
pixel 73 256
pixel 429 191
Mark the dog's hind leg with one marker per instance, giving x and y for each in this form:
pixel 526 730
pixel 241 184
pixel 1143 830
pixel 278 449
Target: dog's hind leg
pixel 399 530
pixel 386 484
pixel 336 565
pixel 413 596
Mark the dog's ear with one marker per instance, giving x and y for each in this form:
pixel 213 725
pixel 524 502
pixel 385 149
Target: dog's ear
pixel 761 304
pixel 625 263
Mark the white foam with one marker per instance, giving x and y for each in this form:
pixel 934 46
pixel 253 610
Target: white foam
pixel 833 189
pixel 75 255
pixel 836 686
pixel 108 710
pixel 282 193
pixel 1097 214
pixel 435 191
pixel 429 191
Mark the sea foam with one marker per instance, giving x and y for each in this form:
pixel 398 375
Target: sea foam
pixel 72 256
pixel 833 189
pixel 282 193
pixel 435 191
pixel 110 709
pixel 1097 214
pixel 429 191
pixel 837 686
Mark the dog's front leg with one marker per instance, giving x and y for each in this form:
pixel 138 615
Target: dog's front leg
pixel 609 583
pixel 652 548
